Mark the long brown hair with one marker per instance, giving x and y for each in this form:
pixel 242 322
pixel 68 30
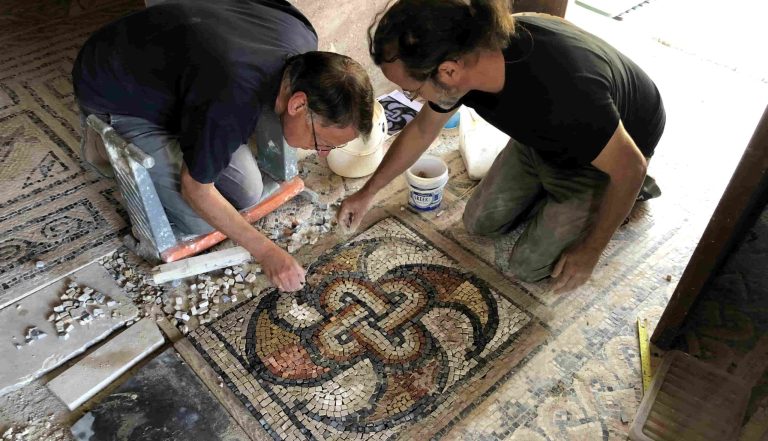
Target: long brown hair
pixel 424 33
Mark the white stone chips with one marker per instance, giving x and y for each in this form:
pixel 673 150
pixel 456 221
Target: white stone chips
pixel 79 304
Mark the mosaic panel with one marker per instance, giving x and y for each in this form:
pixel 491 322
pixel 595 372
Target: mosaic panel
pixel 52 210
pixel 388 332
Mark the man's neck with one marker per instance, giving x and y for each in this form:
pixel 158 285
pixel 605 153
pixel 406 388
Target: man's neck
pixel 487 72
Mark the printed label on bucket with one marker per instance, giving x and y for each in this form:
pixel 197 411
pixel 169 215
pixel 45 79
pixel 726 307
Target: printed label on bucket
pixel 425 200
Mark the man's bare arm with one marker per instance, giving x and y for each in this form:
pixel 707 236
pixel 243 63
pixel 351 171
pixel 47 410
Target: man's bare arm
pixel 626 166
pixel 409 145
pixel 205 199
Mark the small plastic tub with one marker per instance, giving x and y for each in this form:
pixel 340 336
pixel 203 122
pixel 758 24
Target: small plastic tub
pixel 426 181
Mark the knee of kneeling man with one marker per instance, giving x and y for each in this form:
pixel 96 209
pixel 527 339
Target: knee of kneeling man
pixel 528 271
pixel 474 224
pixel 246 196
pixel 250 200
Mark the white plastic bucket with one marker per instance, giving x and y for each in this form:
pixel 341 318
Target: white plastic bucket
pixel 426 181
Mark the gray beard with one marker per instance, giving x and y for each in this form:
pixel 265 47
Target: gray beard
pixel 447 103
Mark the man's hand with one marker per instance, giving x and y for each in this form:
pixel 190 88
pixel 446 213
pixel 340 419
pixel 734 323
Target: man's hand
pixel 353 210
pixel 281 269
pixel 575 267
pixel 623 162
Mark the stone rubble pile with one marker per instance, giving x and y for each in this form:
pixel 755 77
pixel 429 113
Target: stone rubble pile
pixel 206 296
pixel 137 284
pixel 38 430
pixel 78 305
pixel 187 304
pixel 292 232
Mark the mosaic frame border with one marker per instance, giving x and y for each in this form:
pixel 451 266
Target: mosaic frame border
pixel 478 372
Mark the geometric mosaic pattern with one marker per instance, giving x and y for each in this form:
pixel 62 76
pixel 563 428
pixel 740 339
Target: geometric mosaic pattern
pixel 52 209
pixel 388 331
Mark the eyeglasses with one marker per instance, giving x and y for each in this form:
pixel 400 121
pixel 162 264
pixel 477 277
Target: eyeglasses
pixel 413 94
pixel 319 147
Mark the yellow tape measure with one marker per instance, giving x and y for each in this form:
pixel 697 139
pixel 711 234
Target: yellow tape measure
pixel 645 352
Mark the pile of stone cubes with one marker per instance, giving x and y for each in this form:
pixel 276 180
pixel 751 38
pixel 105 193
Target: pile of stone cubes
pixel 201 303
pixel 80 304
pixel 293 232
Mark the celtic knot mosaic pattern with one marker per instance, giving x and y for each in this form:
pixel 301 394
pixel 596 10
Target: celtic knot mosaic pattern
pixel 387 333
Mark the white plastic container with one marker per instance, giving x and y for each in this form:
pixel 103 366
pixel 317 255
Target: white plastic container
pixel 479 143
pixel 359 158
pixel 426 181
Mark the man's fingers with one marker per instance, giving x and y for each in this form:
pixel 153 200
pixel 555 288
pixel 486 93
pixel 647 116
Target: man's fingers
pixel 561 282
pixel 562 288
pixel 573 283
pixel 564 274
pixel 290 282
pixel 296 278
pixel 559 266
pixel 351 220
pixel 345 217
pixel 570 286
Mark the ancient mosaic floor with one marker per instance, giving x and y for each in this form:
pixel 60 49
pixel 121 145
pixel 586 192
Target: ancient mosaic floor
pixel 390 333
pixel 52 209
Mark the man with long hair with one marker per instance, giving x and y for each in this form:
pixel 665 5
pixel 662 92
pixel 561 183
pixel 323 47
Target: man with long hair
pixel 584 121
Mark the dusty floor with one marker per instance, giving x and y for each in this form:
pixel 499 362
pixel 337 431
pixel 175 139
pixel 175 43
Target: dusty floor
pixel 583 381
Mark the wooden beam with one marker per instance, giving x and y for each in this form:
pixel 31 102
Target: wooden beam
pixel 193 266
pixel 727 223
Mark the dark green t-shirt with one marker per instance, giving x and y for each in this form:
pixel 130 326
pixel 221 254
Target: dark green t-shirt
pixel 565 92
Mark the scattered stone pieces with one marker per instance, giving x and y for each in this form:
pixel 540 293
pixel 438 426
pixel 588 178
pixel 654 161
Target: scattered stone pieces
pixel 41 429
pixel 293 229
pixel 128 272
pixel 86 306
pixel 34 334
pixel 205 297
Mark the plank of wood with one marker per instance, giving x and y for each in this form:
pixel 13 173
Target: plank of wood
pixel 97 370
pixel 728 224
pixel 193 266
